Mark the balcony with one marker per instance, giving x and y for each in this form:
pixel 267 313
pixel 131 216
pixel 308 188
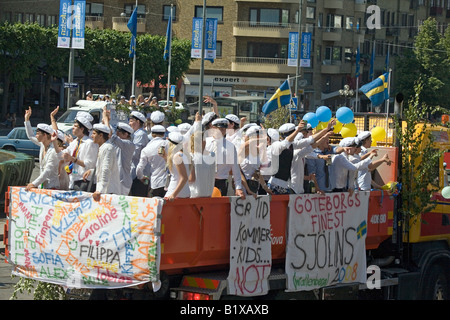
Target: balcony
pixel 333 4
pixel 263 29
pixel 120 24
pixel 332 34
pixel 94 22
pixel 257 64
pixel 272 1
pixel 335 67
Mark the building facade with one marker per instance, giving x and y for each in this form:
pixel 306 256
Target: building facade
pixel 253 35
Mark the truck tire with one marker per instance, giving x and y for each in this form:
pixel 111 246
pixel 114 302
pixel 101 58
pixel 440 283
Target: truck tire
pixel 436 284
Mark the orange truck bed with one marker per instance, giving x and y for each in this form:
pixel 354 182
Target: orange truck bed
pixel 196 232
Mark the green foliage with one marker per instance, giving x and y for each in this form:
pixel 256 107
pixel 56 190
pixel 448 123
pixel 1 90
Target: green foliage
pixel 276 118
pixel 419 158
pixel 42 290
pixel 430 59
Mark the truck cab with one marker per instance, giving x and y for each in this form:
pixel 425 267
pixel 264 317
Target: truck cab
pixel 95 108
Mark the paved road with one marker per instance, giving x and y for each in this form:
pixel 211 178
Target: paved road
pixel 6 281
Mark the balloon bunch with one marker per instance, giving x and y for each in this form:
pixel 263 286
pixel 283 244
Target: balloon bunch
pixel 344 123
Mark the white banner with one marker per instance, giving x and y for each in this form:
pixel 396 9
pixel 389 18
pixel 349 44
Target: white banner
pixel 67 238
pixel 250 246
pixel 326 240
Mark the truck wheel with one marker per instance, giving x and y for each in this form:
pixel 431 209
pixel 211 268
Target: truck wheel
pixel 436 284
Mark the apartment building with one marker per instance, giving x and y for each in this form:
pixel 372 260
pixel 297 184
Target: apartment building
pixel 252 40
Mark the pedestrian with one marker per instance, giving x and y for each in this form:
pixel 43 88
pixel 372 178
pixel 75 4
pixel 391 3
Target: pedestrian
pixel 202 177
pixel 179 168
pixel 140 141
pixel 151 169
pixel 341 179
pixel 48 160
pixel 157 117
pixel 105 176
pixel 89 96
pixel 233 132
pixel 81 154
pixel 251 156
pixel 226 158
pixel 121 140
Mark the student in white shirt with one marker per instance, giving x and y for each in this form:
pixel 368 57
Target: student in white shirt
pixel 152 161
pixel 226 159
pixel 140 141
pixel 106 174
pixel 121 140
pixel 179 167
pixel 81 154
pixel 48 160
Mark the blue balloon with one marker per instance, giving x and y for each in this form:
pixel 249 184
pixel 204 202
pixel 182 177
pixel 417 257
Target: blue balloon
pixel 311 118
pixel 323 114
pixel 344 115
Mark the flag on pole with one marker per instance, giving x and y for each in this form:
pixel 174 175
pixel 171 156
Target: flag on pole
pixel 377 90
pixel 386 68
pixel 168 38
pixel 280 98
pixel 358 63
pixel 372 62
pixel 132 26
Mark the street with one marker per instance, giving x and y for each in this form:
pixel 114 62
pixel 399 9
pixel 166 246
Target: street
pixel 6 281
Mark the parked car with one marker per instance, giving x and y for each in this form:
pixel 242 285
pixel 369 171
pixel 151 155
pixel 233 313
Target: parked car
pixel 17 140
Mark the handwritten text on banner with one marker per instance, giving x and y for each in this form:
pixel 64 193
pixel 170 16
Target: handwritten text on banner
pixel 69 239
pixel 250 246
pixel 326 240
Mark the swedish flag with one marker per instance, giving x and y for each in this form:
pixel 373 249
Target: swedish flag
pixel 168 38
pixel 361 230
pixel 377 90
pixel 280 98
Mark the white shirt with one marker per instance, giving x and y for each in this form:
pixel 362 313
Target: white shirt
pixel 205 171
pixel 150 158
pixel 140 141
pixel 364 175
pixel 226 159
pixel 107 170
pixel 124 150
pixel 175 178
pixel 341 166
pixel 87 153
pixel 302 147
pixel 48 164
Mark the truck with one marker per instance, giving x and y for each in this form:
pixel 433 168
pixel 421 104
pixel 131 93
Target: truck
pixel 405 257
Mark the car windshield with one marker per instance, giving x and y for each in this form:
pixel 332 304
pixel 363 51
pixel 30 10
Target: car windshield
pixel 68 116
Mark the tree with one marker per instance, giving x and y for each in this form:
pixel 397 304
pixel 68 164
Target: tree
pixel 430 60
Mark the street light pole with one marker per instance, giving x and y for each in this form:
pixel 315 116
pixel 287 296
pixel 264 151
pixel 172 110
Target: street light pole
pixel 297 75
pixel 202 63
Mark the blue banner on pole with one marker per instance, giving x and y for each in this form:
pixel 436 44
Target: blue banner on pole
pixel 305 54
pixel 63 29
pixel 293 49
pixel 211 38
pixel 78 24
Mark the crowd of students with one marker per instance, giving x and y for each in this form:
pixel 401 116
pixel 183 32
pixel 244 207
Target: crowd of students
pixel 220 156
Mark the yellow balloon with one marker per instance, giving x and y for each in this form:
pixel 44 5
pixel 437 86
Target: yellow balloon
pixel 216 192
pixel 321 125
pixel 337 127
pixel 349 130
pixel 373 144
pixel 378 134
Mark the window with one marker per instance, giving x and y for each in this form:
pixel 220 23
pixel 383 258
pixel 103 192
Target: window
pixel 349 23
pixel 128 9
pixel 333 54
pixel 29 17
pixel 219 49
pixel 334 21
pixel 40 19
pixel 309 27
pixel 348 54
pixel 19 17
pixel 262 16
pixel 95 9
pixel 266 50
pixel 310 12
pixel 166 13
pixel 320 21
pixel 211 12
pixel 51 21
